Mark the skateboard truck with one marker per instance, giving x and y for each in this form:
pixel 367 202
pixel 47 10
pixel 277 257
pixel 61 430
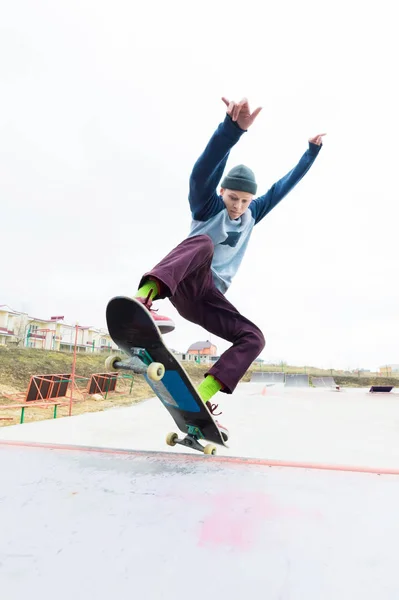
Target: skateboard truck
pixel 191 440
pixel 137 363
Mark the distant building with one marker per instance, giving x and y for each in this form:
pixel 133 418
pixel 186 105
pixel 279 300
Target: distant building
pixel 203 352
pixel 13 326
pixel 19 329
pixel 389 369
pixel 202 348
pixel 258 362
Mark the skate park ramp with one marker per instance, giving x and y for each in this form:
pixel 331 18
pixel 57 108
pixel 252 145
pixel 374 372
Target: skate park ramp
pixel 300 380
pixel 302 502
pixel 267 377
pixel 100 523
pixel 324 382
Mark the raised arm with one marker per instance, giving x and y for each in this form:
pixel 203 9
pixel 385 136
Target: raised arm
pixel 264 204
pixel 208 170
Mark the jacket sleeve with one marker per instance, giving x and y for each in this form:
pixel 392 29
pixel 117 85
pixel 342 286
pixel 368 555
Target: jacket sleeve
pixel 264 204
pixel 208 170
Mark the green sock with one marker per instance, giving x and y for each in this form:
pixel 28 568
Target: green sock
pixel 149 286
pixel 208 388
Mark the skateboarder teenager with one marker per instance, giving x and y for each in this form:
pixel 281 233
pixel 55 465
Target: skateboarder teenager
pixel 197 273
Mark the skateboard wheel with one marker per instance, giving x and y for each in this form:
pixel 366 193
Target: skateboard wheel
pixel 210 449
pixel 111 360
pixel 156 371
pixel 171 439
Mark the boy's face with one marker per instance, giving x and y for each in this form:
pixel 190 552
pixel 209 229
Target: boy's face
pixel 236 202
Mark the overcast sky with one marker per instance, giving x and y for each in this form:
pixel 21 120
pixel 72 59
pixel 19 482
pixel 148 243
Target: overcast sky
pixel 105 106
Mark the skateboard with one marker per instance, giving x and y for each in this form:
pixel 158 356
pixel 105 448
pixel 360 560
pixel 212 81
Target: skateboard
pixel 132 328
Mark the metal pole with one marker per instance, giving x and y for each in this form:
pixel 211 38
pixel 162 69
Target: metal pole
pixel 107 380
pixel 73 370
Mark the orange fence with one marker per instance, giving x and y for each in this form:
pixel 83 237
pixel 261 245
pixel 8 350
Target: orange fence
pixel 51 390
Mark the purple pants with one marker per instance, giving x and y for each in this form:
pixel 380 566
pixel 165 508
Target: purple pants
pixel 186 278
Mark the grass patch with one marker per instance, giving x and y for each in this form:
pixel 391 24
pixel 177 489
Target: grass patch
pixel 17 365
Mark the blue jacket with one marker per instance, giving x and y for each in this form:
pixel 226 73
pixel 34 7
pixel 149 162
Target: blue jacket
pixel 209 214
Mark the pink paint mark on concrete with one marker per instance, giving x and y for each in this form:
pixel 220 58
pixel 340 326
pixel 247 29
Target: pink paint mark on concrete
pixel 234 519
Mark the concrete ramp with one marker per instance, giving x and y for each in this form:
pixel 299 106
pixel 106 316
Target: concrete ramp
pixel 324 382
pixel 103 523
pixel 267 377
pixel 297 380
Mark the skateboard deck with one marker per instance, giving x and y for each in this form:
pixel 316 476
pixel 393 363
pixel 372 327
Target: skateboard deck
pixel 132 328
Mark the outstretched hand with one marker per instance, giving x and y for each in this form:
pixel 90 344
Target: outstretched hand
pixel 240 112
pixel 317 139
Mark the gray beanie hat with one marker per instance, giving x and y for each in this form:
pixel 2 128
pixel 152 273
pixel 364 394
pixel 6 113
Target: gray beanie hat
pixel 240 178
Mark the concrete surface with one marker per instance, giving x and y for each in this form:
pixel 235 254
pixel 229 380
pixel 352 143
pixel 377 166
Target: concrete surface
pixel 324 382
pixel 351 427
pixel 97 525
pixel 90 521
pixel 296 380
pixel 267 377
